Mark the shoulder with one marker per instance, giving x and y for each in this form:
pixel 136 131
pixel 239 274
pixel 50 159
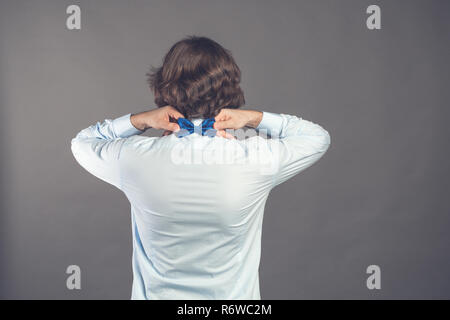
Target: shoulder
pixel 140 143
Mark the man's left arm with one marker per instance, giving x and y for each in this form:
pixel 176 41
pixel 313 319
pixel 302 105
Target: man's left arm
pixel 97 148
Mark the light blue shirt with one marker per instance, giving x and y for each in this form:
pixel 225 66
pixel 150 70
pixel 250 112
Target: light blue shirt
pixel 197 202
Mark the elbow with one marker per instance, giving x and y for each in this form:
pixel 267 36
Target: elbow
pixel 75 148
pixel 319 138
pixel 326 140
pixel 323 141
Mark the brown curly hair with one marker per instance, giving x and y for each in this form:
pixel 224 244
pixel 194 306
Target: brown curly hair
pixel 198 77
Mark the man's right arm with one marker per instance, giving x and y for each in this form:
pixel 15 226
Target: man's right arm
pixel 296 143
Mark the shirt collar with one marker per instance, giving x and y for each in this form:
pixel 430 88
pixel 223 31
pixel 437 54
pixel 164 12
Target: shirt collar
pixel 197 121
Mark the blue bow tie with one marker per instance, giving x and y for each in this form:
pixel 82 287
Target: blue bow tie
pixel 187 127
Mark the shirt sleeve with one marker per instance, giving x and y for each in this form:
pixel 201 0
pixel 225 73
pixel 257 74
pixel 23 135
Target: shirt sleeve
pixel 295 143
pixel 97 148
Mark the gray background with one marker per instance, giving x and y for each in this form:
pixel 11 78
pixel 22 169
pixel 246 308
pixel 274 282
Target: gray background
pixel 379 196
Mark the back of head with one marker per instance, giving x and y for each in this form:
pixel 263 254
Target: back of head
pixel 198 77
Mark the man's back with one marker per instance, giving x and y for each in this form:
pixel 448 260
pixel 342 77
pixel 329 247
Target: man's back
pixel 197 202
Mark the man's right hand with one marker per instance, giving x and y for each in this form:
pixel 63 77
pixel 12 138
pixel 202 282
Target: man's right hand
pixel 236 119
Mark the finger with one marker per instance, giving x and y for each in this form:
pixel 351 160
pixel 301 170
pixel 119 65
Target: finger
pixel 166 133
pixel 220 133
pixel 223 115
pixel 170 126
pixel 174 113
pixel 220 125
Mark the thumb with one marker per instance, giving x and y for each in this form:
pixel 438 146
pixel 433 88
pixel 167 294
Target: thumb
pixel 224 134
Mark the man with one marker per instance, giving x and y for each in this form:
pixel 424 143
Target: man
pixel 197 194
